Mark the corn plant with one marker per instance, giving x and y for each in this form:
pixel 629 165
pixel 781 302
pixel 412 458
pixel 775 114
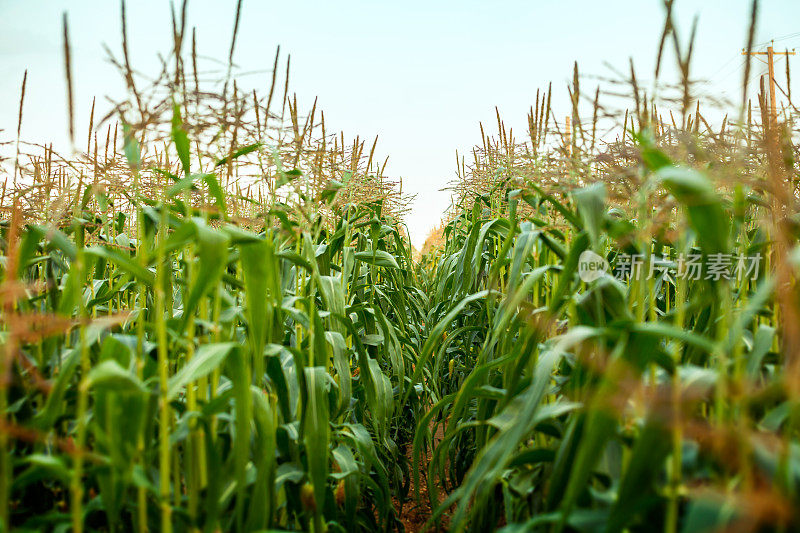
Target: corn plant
pixel 214 321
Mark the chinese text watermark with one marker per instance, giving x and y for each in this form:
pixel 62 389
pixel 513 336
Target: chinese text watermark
pixel 692 266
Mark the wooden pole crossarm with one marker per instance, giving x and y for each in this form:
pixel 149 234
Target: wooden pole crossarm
pixel 771 53
pixel 744 53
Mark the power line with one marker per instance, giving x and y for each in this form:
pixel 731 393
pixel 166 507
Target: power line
pixel 783 38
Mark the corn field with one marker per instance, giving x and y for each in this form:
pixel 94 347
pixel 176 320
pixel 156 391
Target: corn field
pixel 213 320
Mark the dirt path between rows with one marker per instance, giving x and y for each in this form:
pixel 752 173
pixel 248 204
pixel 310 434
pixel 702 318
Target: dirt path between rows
pixel 415 514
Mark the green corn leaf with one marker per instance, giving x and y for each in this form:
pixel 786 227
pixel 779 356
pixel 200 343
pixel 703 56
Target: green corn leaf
pixel 238 153
pixel 261 286
pixel 709 219
pixel 636 491
pixel 378 258
pixel 205 360
pixel 180 138
pixel 131 147
pixel 212 252
pixel 316 433
pixel 123 261
pixel 109 375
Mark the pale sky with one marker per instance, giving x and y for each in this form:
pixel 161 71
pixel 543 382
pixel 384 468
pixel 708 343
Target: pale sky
pixel 421 74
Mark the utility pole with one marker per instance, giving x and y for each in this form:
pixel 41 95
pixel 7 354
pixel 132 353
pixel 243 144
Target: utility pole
pixel 771 53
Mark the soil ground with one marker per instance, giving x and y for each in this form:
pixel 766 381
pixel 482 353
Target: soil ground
pixel 415 514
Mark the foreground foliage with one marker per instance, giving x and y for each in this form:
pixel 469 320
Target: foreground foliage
pixel 206 375
pixel 182 353
pixel 610 404
pixel 211 376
